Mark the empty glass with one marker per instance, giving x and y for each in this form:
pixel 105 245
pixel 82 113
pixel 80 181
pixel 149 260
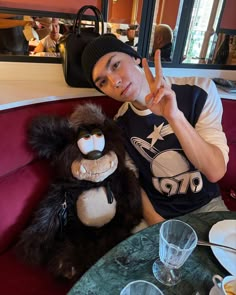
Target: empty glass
pixel 177 242
pixel 141 287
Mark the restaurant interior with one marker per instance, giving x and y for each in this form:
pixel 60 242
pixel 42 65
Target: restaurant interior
pixel 203 45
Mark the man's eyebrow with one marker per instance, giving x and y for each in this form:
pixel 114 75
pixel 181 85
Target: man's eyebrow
pixel 107 66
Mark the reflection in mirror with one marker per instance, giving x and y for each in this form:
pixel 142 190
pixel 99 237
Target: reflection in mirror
pixel 205 43
pixel 34 36
pixel 31 35
pixel 46 44
pixel 164 29
pixel 12 40
pixel 24 35
pixel 225 50
pixel 124 19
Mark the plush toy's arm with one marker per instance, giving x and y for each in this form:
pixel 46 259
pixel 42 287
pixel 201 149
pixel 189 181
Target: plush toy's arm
pixel 129 163
pixel 129 210
pixel 39 237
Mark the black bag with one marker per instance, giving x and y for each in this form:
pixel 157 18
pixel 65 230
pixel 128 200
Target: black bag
pixel 72 44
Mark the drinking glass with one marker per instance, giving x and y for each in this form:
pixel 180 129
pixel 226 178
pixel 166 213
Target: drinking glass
pixel 141 287
pixel 177 242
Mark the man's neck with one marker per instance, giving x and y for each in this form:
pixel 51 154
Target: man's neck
pixel 139 105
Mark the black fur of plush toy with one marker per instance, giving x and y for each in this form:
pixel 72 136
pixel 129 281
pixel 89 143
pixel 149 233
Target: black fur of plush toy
pixel 94 201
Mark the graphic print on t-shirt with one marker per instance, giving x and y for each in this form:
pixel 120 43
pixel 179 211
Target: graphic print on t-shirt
pixel 171 171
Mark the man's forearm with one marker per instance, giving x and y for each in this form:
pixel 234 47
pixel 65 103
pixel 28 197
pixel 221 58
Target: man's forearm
pixel 206 157
pixel 149 213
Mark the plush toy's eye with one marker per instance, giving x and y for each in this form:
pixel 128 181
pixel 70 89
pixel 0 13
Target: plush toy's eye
pixel 88 136
pixel 84 134
pixel 85 144
pixel 97 132
pixel 91 142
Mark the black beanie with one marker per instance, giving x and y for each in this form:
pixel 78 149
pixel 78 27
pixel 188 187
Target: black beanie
pixel 99 47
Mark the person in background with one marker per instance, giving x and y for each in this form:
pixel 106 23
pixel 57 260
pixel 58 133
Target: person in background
pixel 12 39
pixel 50 42
pixel 223 52
pixel 131 33
pixel 42 26
pixel 130 36
pixel 172 128
pixel 163 37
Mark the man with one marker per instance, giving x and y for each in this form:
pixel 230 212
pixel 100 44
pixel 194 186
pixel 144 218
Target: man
pixel 12 39
pixel 49 43
pixel 172 129
pixel 163 37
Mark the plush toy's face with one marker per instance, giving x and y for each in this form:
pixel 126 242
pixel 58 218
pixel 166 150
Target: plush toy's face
pixel 94 166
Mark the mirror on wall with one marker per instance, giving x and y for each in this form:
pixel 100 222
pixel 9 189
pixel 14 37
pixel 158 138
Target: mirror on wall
pixel 201 33
pixel 194 33
pixel 22 35
pixel 208 42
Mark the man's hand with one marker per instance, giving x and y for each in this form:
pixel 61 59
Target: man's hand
pixel 161 100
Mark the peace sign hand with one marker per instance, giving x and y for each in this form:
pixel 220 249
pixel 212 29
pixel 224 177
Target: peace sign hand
pixel 161 100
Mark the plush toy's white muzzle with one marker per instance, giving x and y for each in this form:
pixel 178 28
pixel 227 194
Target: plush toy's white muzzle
pixel 95 170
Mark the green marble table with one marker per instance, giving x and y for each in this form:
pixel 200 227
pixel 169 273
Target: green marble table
pixel 132 259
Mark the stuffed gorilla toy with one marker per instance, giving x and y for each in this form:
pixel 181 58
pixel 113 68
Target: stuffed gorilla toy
pixel 94 201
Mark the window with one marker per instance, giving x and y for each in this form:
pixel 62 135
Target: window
pixel 202 31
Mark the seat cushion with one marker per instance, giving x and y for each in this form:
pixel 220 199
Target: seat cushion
pixel 21 279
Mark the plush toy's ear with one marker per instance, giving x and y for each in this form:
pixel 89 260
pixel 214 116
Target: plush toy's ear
pixel 49 135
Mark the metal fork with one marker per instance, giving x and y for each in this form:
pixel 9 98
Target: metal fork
pixel 204 243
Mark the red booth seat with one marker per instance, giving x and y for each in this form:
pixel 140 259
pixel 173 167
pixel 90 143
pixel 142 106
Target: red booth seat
pixel 24 178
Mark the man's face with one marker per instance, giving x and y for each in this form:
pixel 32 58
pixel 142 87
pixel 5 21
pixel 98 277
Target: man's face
pixel 157 40
pixel 55 30
pixel 119 76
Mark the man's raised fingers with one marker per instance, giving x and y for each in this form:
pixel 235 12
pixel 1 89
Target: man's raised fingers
pixel 147 71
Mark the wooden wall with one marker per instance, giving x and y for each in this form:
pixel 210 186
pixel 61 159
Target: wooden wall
pixel 167 12
pixel 69 6
pixel 228 20
pixel 121 11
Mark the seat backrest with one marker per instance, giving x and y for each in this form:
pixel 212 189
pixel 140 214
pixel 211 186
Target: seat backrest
pixel 228 182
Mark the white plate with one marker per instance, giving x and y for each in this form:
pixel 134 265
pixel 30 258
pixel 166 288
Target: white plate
pixel 214 291
pixel 224 232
